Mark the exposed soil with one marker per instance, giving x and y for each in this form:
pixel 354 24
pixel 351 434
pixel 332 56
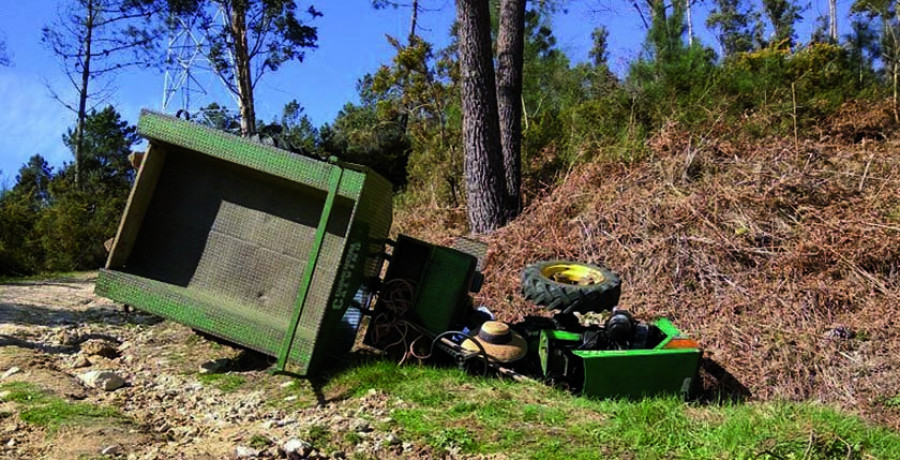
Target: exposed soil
pixel 46 328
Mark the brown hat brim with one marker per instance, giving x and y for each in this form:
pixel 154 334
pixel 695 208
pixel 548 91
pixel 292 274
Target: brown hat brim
pixel 504 353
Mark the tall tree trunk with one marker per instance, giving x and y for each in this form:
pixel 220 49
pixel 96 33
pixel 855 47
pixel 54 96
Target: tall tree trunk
pixel 413 21
pixel 242 64
pixel 690 22
pixel 485 190
pixel 83 90
pixel 894 71
pixel 832 20
pixel 510 58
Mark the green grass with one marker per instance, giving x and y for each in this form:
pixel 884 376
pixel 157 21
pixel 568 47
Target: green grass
pixel 39 407
pixel 318 435
pixel 224 382
pixel 258 441
pixel 450 410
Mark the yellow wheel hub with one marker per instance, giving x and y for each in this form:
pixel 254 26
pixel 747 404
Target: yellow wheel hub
pixel 573 274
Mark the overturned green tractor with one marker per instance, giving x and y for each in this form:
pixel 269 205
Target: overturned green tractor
pixel 286 254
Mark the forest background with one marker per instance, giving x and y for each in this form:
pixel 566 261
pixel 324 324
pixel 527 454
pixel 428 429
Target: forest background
pixel 744 63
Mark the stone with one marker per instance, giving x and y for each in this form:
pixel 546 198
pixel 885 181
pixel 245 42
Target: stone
pixel 111 450
pixel 246 452
pixel 286 421
pixel 296 448
pixel 10 372
pixel 215 366
pixel 99 347
pixel 4 394
pixel 105 380
pixel 80 361
pixel 360 426
pixel 392 439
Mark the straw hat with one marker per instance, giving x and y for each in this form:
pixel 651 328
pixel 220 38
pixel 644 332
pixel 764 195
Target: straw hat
pixel 499 341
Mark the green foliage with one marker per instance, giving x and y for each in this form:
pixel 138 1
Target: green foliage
pixel 783 15
pixel 73 229
pixel 49 224
pixel 418 95
pixel 107 142
pixel 360 135
pixel 274 33
pixel 862 48
pixel 737 27
pixel 219 117
pixel 552 89
pixel 297 132
pixel 818 78
pixel 598 53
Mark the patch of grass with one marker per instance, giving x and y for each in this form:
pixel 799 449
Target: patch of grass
pixel 892 402
pixel 24 393
pixel 318 436
pixel 38 407
pixel 258 441
pixel 447 409
pixel 296 396
pixel 225 382
pixel 353 438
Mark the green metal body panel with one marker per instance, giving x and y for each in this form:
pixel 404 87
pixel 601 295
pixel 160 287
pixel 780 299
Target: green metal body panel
pixel 444 289
pixel 440 279
pixel 627 373
pixel 249 243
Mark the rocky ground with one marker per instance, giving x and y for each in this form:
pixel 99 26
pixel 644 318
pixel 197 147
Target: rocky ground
pixel 59 336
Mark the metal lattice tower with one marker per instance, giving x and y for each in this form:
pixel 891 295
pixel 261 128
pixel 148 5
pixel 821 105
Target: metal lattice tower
pixel 184 60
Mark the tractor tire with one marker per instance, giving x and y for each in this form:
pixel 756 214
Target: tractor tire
pixel 570 287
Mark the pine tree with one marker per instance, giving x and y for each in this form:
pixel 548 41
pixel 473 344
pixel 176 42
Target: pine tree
pixel 736 26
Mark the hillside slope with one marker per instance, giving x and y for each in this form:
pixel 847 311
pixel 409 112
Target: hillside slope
pixel 782 258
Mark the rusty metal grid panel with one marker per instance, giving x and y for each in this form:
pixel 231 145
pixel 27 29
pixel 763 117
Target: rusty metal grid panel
pixel 225 239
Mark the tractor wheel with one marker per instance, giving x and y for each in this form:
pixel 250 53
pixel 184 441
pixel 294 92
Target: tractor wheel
pixel 571 287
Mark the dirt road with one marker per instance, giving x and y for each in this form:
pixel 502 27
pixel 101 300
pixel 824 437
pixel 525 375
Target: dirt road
pixel 52 332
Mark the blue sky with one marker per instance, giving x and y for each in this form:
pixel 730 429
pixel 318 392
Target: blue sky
pixel 351 43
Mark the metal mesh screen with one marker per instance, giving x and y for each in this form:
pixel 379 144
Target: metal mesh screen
pixel 226 236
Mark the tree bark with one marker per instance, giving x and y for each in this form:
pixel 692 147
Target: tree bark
pixel 83 90
pixel 413 21
pixel 510 58
pixel 242 63
pixel 485 190
pixel 690 22
pixel 832 20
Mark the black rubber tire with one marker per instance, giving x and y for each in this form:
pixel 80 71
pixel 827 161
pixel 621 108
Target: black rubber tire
pixel 570 298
